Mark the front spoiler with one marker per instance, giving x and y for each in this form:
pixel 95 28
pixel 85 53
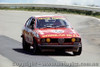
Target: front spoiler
pixel 76 44
pixel 73 47
pixel 62 46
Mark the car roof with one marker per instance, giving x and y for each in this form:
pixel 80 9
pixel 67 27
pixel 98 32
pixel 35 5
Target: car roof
pixel 39 16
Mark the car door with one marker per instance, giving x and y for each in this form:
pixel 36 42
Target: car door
pixel 28 34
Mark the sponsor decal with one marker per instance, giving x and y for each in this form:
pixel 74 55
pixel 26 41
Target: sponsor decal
pixel 57 31
pixel 41 32
pixel 63 35
pixel 73 31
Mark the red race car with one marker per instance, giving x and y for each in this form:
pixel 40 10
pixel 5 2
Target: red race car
pixel 50 33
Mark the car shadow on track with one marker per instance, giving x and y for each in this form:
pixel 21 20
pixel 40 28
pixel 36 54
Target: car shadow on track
pixel 14 46
pixel 20 50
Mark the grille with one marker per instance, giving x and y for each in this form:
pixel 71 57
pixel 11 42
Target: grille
pixel 66 40
pixel 56 40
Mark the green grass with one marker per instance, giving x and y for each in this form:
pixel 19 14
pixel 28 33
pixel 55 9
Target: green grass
pixel 56 10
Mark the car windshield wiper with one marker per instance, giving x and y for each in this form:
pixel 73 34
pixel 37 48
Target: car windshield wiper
pixel 62 26
pixel 47 26
pixel 54 26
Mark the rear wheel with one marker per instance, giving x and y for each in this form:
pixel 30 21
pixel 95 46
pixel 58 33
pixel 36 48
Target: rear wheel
pixel 25 45
pixel 78 52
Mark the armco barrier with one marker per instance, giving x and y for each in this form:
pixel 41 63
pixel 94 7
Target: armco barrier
pixel 76 7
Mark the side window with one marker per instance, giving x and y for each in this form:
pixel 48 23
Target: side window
pixel 32 22
pixel 28 22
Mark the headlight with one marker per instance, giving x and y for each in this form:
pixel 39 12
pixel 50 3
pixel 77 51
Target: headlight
pixel 73 39
pixel 42 40
pixel 78 40
pixel 48 40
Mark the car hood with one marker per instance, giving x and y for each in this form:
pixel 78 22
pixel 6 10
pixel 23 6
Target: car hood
pixel 57 33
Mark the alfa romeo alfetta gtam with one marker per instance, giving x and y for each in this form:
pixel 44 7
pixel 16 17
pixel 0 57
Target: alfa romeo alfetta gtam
pixel 50 33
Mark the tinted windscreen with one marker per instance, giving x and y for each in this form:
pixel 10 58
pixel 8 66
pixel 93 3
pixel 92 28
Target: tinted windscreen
pixel 52 22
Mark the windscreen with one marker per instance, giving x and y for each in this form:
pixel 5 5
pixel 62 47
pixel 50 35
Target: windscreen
pixel 49 22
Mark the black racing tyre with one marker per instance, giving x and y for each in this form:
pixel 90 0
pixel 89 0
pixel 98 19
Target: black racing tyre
pixel 36 49
pixel 25 45
pixel 78 52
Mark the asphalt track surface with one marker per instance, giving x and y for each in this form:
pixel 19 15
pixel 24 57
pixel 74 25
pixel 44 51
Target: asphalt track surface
pixel 11 23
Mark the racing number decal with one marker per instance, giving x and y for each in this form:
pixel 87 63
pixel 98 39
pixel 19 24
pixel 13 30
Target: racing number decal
pixel 28 37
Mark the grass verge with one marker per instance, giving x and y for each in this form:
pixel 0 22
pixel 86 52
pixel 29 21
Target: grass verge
pixel 56 10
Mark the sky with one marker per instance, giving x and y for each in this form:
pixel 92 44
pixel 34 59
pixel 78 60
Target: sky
pixel 60 2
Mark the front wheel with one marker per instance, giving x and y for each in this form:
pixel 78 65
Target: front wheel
pixel 78 52
pixel 25 45
pixel 36 49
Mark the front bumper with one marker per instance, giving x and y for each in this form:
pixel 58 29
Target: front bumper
pixel 73 47
pixel 57 46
